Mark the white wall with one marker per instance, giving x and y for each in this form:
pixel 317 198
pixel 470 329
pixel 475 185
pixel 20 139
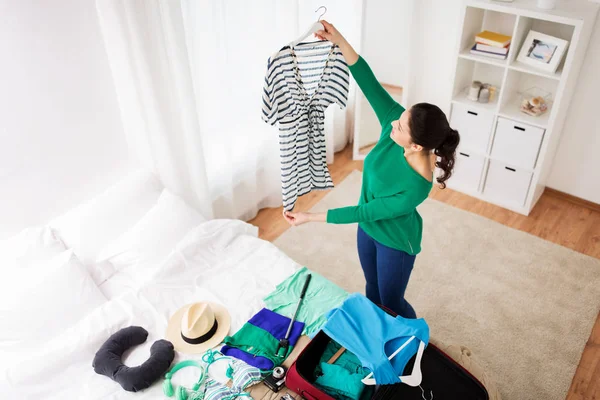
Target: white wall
pixel 61 138
pixel 385 38
pixel 386 45
pixel 434 33
pixel 575 169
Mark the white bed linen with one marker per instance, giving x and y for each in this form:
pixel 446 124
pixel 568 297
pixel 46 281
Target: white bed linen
pixel 89 227
pixel 220 260
pixel 30 247
pixel 152 238
pixel 215 235
pixel 43 302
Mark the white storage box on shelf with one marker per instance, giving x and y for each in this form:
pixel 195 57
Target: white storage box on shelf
pixel 517 143
pixel 474 125
pixel 467 170
pixel 507 184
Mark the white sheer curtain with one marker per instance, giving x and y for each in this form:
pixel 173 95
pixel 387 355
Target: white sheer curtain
pixel 229 43
pixel 189 76
pixel 145 43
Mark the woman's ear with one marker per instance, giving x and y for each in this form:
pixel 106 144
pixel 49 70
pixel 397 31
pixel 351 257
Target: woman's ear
pixel 416 147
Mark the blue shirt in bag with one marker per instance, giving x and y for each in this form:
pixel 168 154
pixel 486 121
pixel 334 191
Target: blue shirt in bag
pixel 372 335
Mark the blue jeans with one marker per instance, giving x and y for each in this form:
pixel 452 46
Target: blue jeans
pixel 387 272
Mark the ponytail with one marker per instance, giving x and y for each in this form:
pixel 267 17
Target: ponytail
pixel 447 153
pixel 430 129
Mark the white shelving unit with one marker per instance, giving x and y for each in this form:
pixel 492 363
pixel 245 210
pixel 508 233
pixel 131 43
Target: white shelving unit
pixel 505 155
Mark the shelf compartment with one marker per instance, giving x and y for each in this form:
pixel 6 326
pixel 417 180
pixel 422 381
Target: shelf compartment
pixel 511 110
pixel 510 103
pixel 461 98
pixel 468 71
pixel 555 29
pixel 478 20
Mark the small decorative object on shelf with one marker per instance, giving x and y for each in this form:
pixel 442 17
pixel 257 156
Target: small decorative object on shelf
pixel 535 101
pixel 474 91
pixel 481 92
pixel 543 52
pixel 484 95
pixel 493 92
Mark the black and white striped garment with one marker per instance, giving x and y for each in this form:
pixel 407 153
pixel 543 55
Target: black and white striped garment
pixel 301 82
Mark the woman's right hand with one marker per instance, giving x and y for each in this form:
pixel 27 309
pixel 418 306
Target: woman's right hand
pixel 330 33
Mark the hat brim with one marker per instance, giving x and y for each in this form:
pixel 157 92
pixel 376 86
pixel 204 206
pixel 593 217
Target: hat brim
pixel 173 333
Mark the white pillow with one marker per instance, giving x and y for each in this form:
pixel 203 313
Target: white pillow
pixel 153 238
pixel 29 247
pixel 88 228
pixel 36 307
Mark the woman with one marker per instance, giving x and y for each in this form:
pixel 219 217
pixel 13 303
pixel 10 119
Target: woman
pixel 397 177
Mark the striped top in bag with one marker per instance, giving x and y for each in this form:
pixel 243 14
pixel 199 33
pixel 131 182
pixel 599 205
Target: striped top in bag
pixel 300 83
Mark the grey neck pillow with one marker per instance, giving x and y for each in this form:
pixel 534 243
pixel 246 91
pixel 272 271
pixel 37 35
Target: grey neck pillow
pixel 107 360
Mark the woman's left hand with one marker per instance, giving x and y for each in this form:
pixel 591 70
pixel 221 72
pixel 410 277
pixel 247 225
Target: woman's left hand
pixel 296 218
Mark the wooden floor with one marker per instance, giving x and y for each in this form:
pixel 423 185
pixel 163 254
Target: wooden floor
pixel 555 218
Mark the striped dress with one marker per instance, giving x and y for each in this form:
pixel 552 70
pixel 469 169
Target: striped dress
pixel 300 83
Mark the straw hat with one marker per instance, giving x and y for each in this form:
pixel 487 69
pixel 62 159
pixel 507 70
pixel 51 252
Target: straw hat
pixel 198 327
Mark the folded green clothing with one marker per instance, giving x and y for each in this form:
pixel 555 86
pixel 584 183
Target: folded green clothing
pixel 347 360
pixel 340 383
pixel 259 343
pixel 321 296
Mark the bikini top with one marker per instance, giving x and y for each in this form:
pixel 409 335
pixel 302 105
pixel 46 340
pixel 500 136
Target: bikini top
pixel 206 388
pixel 373 335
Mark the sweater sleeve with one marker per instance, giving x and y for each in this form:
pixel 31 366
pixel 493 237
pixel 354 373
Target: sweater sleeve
pixel 377 96
pixel 377 209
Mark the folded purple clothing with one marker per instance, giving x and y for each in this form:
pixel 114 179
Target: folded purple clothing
pixel 277 325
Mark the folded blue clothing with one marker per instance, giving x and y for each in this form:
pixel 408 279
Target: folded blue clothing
pixel 372 335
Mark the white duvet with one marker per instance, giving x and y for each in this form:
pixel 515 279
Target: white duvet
pixel 220 260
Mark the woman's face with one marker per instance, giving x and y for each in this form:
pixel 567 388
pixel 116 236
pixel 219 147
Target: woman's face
pixel 401 131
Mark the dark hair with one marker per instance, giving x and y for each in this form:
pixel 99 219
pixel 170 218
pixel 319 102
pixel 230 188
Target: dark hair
pixel 429 128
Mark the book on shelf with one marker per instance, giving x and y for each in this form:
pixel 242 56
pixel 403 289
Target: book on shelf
pixel 493 39
pixel 486 53
pixel 492 49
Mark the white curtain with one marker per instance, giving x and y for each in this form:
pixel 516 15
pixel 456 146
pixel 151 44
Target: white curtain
pixel 189 75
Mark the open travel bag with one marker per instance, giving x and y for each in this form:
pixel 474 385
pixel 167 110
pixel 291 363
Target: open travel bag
pixel 443 378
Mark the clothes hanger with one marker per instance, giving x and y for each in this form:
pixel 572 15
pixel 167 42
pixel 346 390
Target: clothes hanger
pixel 414 379
pixel 317 26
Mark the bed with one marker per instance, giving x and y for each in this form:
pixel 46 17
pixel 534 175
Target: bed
pixel 154 258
